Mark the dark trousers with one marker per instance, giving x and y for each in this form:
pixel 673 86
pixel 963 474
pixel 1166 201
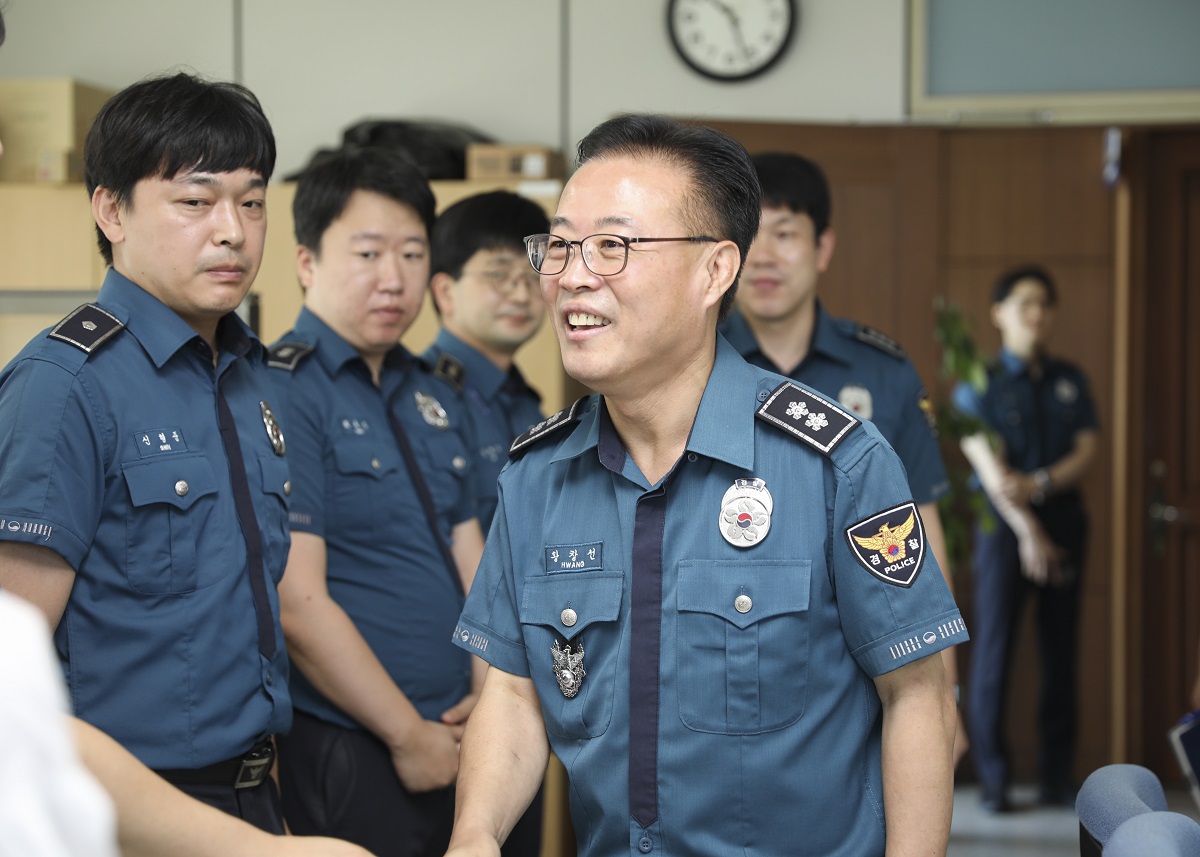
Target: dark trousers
pixel 259 806
pixel 341 782
pixel 1000 592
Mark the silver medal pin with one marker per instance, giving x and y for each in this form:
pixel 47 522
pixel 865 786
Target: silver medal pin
pixel 568 668
pixel 745 517
pixel 432 411
pixel 274 432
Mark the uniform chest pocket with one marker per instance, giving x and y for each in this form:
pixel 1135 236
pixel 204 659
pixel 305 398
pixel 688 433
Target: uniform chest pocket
pixel 173 498
pixel 742 648
pixel 442 457
pixel 362 502
pixel 579 609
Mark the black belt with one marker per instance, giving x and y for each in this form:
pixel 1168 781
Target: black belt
pixel 244 772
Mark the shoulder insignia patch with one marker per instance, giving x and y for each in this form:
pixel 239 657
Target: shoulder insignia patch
pixel 890 544
pixel 451 370
pixel 812 418
pixel 880 340
pixel 287 355
pixel 87 328
pixel 548 426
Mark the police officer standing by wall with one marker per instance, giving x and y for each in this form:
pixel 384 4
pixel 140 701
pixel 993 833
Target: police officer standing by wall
pixel 1042 415
pixel 384 535
pixel 780 324
pixel 490 305
pixel 144 482
pixel 656 599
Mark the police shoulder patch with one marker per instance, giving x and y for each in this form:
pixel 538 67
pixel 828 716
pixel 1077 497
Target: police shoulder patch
pixel 287 355
pixel 451 370
pixel 880 340
pixel 87 328
pixel 890 544
pixel 548 426
pixel 804 414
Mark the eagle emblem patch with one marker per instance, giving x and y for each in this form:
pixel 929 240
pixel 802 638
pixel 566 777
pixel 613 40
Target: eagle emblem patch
pixel 890 544
pixel 568 668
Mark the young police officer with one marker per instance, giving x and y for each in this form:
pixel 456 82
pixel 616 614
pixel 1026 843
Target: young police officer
pixel 144 485
pixel 657 594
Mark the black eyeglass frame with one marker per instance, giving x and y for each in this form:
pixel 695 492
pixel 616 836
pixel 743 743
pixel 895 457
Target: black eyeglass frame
pixel 529 239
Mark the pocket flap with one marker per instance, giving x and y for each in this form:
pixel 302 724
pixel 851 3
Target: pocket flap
pixel 365 460
pixel 591 596
pixel 275 475
pixel 743 593
pixel 178 480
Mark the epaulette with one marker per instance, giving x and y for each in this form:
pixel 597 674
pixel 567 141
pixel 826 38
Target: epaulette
pixel 451 370
pixel 287 355
pixel 804 414
pixel 880 340
pixel 548 426
pixel 87 328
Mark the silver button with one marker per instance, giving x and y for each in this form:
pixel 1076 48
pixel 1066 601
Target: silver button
pixel 181 488
pixel 376 464
pixel 742 604
pixel 287 488
pixel 459 462
pixel 569 617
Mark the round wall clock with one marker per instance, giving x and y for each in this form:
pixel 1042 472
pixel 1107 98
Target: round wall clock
pixel 731 39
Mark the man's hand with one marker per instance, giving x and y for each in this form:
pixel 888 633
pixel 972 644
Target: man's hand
pixel 428 757
pixel 1017 487
pixel 1039 556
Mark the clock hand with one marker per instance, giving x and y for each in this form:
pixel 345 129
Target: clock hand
pixel 735 22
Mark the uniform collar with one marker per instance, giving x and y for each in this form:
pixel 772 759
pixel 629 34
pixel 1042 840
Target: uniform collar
pixel 1013 365
pixel 481 373
pixel 160 330
pixel 333 352
pixel 826 338
pixel 723 428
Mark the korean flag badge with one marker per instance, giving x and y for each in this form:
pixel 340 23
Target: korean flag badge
pixel 745 517
pixel 890 544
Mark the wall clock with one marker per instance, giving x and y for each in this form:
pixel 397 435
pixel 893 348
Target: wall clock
pixel 731 39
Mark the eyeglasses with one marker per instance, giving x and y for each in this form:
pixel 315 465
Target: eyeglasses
pixel 505 281
pixel 604 255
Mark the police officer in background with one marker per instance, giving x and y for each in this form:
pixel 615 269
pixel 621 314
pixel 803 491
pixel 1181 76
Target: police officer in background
pixel 144 486
pixel 656 599
pixel 384 535
pixel 780 324
pixel 1045 440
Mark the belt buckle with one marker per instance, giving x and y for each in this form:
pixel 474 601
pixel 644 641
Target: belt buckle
pixel 256 767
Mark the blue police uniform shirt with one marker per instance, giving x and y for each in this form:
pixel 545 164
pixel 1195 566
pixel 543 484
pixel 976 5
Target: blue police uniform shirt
pixel 496 406
pixel 114 460
pixel 768 722
pixel 353 489
pixel 869 375
pixel 1037 418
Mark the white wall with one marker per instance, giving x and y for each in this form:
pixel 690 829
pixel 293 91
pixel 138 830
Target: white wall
pixel 496 65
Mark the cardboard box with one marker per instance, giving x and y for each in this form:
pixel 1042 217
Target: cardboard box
pixel 497 162
pixel 43 123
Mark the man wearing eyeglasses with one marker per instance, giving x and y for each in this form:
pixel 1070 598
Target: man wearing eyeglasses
pixel 707 587
pixel 490 304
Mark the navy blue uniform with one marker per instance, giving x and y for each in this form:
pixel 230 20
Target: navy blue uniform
pixel 870 376
pixel 122 461
pixel 1037 419
pixel 697 676
pixel 387 567
pixel 496 407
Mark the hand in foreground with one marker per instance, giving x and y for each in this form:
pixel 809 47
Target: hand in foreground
pixel 428 757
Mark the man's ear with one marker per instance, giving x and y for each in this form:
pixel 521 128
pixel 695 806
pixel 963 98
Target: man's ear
pixel 108 215
pixel 825 246
pixel 441 287
pixel 722 269
pixel 306 260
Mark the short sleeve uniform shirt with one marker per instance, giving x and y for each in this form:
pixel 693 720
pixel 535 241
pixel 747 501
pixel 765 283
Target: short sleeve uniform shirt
pixel 771 625
pixel 115 461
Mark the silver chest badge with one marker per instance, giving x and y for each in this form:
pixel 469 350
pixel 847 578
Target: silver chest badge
pixel 568 668
pixel 432 411
pixel 274 432
pixel 745 516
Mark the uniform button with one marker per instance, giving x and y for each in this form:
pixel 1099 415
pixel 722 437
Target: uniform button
pixel 181 488
pixel 645 845
pixel 459 462
pixel 287 488
pixel 376 464
pixel 692 457
pixel 762 395
pixel 270 679
pixel 742 604
pixel 569 617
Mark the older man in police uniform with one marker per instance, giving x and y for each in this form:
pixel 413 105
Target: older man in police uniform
pixel 658 591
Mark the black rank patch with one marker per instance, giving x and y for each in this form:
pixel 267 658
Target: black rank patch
pixel 890 544
pixel 880 340
pixel 451 370
pixel 287 355
pixel 812 418
pixel 87 328
pixel 548 426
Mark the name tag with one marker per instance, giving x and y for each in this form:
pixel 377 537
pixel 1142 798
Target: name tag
pixel 585 557
pixel 159 441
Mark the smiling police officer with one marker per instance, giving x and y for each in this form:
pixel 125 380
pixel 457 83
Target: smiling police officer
pixel 708 588
pixel 143 487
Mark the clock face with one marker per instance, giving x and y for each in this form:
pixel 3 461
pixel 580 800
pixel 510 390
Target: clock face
pixel 731 39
